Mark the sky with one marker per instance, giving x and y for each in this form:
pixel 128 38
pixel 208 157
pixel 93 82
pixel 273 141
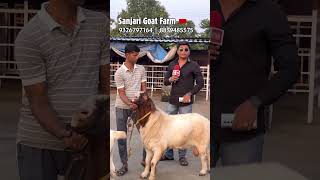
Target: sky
pixel 195 10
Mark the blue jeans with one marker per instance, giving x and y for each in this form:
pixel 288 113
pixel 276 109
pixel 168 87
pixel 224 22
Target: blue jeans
pixel 236 153
pixel 122 120
pixel 173 109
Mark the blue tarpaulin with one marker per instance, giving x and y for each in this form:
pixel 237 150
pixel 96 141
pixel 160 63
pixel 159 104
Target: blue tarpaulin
pixel 158 54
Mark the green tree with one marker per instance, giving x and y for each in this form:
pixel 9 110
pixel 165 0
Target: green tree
pixel 114 32
pixel 140 9
pixel 205 25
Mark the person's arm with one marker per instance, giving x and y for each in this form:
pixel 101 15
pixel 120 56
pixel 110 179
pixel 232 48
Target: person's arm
pixel 199 84
pixel 144 81
pixel 47 118
pixel 144 86
pixel 42 110
pixel 199 80
pixel 284 51
pixel 32 71
pixel 125 99
pixel 167 76
pixel 121 90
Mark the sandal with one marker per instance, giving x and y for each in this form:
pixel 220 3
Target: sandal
pixel 122 171
pixel 183 161
pixel 165 158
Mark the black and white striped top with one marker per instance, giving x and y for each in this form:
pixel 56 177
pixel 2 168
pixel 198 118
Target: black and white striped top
pixel 130 81
pixel 67 62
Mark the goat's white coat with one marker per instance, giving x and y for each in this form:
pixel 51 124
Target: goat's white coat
pixel 114 136
pixel 164 131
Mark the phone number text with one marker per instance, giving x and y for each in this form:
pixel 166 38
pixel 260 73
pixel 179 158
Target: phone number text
pixel 176 30
pixel 138 30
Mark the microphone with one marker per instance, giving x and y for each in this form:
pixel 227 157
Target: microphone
pixel 176 71
pixel 215 19
pixel 217 32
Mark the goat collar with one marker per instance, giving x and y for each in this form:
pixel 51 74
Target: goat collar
pixel 142 118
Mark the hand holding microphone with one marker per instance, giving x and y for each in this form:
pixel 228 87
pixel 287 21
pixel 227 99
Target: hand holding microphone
pixel 175 74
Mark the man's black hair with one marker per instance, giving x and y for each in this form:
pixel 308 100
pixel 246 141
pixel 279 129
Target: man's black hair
pixel 131 48
pixel 183 43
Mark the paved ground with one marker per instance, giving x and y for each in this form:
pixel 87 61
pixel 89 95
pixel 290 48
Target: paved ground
pixel 291 141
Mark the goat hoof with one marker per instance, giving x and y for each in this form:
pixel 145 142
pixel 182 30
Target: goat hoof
pixel 203 172
pixel 143 176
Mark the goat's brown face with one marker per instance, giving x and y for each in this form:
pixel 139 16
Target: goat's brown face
pixel 93 109
pixel 142 100
pixel 145 105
